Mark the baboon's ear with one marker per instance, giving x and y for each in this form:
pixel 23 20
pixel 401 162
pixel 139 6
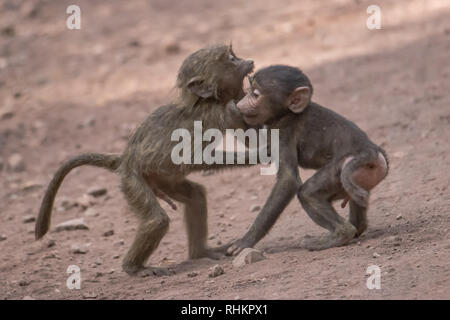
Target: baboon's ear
pixel 299 99
pixel 199 88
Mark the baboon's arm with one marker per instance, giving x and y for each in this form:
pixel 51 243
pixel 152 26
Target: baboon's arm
pixel 282 193
pixel 287 184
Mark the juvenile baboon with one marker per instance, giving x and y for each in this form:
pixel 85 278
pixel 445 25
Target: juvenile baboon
pixel 311 136
pixel 208 82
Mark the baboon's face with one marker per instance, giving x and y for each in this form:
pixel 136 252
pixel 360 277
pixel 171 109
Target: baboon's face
pixel 267 101
pixel 215 72
pixel 231 65
pixel 258 108
pixel 234 70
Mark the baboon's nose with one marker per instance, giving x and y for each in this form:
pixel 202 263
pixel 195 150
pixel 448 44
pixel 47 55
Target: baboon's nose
pixel 250 65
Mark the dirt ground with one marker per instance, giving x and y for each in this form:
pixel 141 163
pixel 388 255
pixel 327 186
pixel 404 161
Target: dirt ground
pixel 64 92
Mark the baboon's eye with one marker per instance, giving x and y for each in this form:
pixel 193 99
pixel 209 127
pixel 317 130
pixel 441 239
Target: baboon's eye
pixel 256 93
pixel 232 58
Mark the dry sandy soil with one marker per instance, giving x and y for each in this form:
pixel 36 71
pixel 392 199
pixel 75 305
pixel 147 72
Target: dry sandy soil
pixel 64 92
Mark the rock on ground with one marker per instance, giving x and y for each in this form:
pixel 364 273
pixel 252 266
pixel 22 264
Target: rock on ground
pixel 74 224
pixel 216 271
pixel 97 191
pixel 78 249
pixel 248 256
pixel 16 163
pixel 28 219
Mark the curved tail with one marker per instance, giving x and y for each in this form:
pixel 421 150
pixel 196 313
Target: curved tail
pixel 106 161
pixel 360 194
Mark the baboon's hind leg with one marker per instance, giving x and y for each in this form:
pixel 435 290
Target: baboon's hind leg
pixel 314 196
pixel 358 217
pixel 153 225
pixel 193 195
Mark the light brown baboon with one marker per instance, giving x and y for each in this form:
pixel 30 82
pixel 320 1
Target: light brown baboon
pixel 209 80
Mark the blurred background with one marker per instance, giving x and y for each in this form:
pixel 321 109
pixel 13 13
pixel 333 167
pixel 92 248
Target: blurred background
pixel 125 47
pixel 63 92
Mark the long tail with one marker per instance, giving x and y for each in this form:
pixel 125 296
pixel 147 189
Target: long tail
pixel 106 161
pixel 356 192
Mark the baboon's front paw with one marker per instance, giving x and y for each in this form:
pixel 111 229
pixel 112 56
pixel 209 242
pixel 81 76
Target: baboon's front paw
pixel 238 246
pixel 326 241
pixel 316 243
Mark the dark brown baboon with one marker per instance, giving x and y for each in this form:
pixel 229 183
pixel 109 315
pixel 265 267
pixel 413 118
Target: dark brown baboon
pixel 311 136
pixel 208 82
